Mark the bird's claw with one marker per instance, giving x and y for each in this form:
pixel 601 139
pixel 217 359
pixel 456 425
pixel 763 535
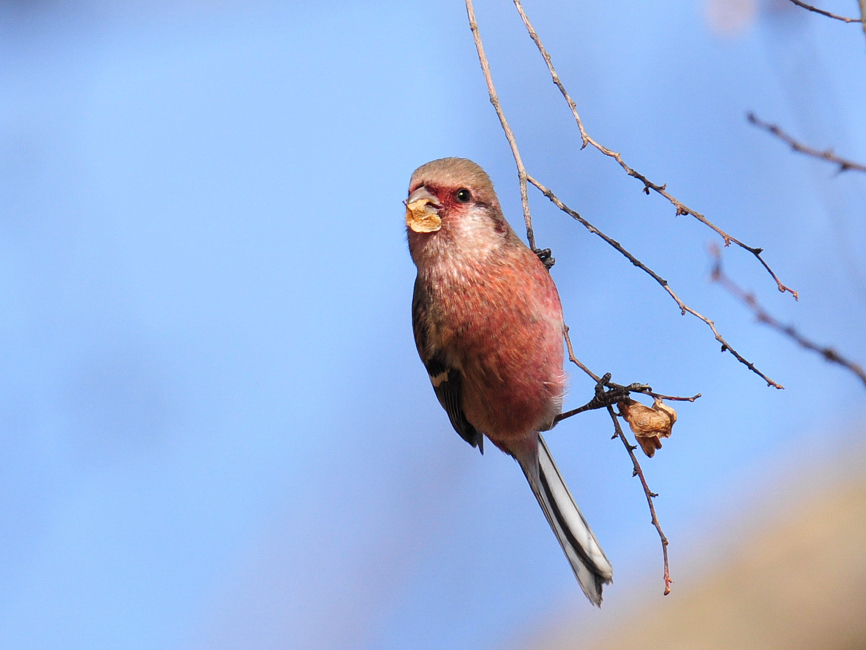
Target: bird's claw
pixel 544 254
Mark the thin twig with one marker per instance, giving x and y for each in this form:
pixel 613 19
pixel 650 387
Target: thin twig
pixel 827 154
pixel 636 471
pixel 494 99
pixel 614 394
pixel 619 391
pixel 681 208
pixel 684 309
pixel 844 19
pixel 525 177
pixel 650 495
pixel 672 398
pixel 862 4
pixel 767 319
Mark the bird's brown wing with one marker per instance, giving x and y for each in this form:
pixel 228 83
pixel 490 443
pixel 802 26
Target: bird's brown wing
pixel 447 381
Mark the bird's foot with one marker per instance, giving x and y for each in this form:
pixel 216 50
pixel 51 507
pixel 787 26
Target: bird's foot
pixel 606 394
pixel 544 254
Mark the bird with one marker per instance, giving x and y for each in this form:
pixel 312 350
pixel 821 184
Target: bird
pixel 488 326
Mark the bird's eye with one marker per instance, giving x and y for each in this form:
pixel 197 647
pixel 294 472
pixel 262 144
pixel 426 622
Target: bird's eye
pixel 463 195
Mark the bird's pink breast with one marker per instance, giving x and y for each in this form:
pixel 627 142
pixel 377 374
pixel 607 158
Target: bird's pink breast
pixel 501 319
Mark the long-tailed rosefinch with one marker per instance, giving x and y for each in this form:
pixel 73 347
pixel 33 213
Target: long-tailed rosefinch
pixel 488 327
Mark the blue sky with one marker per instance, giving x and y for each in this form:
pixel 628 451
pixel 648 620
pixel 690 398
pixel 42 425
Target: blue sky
pixel 214 429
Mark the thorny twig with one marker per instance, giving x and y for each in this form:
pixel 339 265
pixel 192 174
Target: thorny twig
pixel 681 208
pixel 684 308
pixel 827 154
pixel 844 19
pixel 788 330
pixel 637 470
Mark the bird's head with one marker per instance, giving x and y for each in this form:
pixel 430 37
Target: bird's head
pixel 453 199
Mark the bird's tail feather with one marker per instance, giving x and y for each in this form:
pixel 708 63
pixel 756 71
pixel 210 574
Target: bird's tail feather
pixel 588 561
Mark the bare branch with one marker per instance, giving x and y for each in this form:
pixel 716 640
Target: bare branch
pixel 650 495
pixel 684 309
pixel 601 383
pixel 524 178
pixel 636 471
pixel 788 330
pixel 828 155
pixel 826 13
pixel 614 394
pixel 681 208
pixel 862 4
pixel 671 398
pixel 509 134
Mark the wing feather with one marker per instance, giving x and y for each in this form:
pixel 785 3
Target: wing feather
pixel 447 381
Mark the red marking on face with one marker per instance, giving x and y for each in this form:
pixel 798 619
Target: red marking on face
pixel 446 196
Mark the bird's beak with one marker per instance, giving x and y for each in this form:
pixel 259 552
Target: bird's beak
pixel 422 211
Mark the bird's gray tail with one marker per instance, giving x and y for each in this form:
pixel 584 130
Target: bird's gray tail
pixel 588 561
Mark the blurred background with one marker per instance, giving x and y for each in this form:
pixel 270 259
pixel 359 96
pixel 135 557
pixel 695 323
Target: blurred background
pixel 214 429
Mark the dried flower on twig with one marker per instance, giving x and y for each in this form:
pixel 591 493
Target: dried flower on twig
pixel 648 424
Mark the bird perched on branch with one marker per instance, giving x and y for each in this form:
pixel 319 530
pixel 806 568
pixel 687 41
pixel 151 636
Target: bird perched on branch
pixel 488 327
